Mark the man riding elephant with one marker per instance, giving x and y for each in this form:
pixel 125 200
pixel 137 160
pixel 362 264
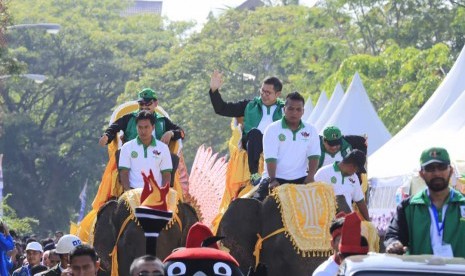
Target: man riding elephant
pixel 258 113
pixel 144 153
pixel 333 146
pixel 291 149
pixel 164 130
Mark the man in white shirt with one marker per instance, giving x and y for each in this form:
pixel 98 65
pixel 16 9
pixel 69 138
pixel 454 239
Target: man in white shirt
pixel 291 148
pixel 144 153
pixel 342 175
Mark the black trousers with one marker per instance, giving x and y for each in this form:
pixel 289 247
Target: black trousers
pixel 175 162
pixel 263 189
pixel 253 143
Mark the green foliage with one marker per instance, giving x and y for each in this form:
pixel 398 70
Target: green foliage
pixel 51 130
pixel 398 81
pixel 418 23
pixel 22 226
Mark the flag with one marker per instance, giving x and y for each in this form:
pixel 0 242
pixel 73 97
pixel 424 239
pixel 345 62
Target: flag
pixel 83 199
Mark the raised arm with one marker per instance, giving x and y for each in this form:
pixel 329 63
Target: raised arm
pixel 228 109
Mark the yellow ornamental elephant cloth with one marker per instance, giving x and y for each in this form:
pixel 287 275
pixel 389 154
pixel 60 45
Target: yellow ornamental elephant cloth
pixel 307 212
pixel 237 173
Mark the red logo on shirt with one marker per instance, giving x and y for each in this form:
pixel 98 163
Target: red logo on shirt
pixel 305 134
pixel 156 152
pixel 352 180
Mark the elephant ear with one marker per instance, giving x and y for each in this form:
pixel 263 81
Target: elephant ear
pixel 240 225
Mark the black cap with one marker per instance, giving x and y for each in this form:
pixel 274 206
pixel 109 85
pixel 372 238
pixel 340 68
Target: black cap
pixel 358 158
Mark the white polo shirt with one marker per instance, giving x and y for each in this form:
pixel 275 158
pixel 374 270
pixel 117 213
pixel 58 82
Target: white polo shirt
pixel 138 158
pixel 348 186
pixel 267 117
pixel 291 150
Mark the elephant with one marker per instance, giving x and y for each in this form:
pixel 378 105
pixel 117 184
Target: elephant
pixel 113 227
pixel 243 220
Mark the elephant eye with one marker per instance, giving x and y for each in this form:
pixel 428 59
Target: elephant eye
pixel 222 269
pixel 176 268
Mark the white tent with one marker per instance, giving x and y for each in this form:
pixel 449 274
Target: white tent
pixel 355 115
pixel 440 117
pixel 440 122
pixel 448 132
pixel 319 107
pixel 308 108
pixel 330 108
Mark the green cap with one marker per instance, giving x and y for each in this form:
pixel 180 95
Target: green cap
pixel 434 155
pixel 147 94
pixel 332 135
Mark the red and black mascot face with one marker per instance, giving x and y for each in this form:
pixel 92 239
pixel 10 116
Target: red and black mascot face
pixel 201 257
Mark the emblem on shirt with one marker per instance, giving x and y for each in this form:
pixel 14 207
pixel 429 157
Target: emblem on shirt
pixel 305 134
pixel 156 152
pixel 282 137
pixel 333 179
pixel 462 211
pixel 134 154
pixel 351 180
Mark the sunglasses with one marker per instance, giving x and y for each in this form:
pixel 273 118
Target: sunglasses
pixel 149 103
pixel 435 166
pixel 333 143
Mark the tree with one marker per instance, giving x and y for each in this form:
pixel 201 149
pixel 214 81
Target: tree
pixel 51 130
pixel 409 23
pixel 22 226
pixel 398 81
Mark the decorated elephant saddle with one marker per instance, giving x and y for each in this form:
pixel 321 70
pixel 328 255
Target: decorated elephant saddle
pixel 307 212
pixel 132 200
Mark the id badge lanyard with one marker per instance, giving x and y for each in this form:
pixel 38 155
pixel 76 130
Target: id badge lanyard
pixel 440 225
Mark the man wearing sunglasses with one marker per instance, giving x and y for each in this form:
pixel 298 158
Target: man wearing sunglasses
pixel 333 146
pixel 165 130
pixel 432 221
pixel 258 113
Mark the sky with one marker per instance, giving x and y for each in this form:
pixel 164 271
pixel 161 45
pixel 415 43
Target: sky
pixel 198 10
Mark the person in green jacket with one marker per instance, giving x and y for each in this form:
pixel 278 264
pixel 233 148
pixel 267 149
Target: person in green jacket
pixel 258 113
pixel 165 130
pixel 333 146
pixel 433 220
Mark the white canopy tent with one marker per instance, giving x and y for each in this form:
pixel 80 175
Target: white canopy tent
pixel 330 108
pixel 319 107
pixel 440 122
pixel 308 108
pixel 439 117
pixel 355 115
